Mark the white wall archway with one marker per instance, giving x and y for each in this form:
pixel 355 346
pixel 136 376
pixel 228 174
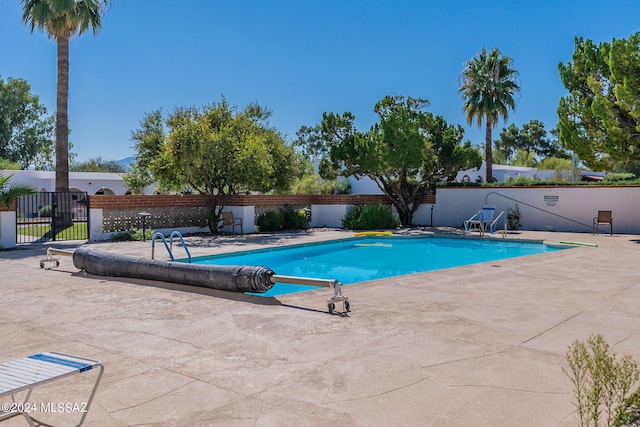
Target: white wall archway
pixel 104 191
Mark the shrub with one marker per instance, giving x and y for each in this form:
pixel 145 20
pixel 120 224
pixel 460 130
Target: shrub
pixel 343 186
pixel 271 221
pixel 630 414
pixel 617 177
pixel 44 211
pixel 294 219
pixel 132 234
pixel 601 383
pixel 287 219
pixel 351 218
pixel 513 218
pixel 138 234
pixel 369 217
pixel 124 236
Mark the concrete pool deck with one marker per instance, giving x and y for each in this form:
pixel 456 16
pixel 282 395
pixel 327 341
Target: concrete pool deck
pixel 480 345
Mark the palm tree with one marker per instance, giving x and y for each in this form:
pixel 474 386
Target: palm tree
pixel 488 87
pixel 61 20
pixel 10 192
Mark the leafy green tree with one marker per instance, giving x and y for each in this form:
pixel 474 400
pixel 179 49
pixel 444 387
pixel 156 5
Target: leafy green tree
pixel 8 165
pixel 406 153
pixel 137 179
pixel 149 141
pixel 488 87
pixel 311 145
pixel 499 157
pixel 312 184
pixel 221 151
pixel 532 138
pixel 555 163
pixel 508 142
pixel 26 130
pixel 61 20
pixel 149 138
pixel 304 165
pixel 98 165
pixel 600 117
pixel 309 141
pixel 9 192
pixel 562 167
pixel 525 158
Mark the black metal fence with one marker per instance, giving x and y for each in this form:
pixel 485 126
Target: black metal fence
pixel 49 216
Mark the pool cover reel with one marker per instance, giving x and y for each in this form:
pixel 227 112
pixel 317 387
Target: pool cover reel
pixel 227 278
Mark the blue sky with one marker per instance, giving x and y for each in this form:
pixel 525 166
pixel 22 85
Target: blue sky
pixel 300 58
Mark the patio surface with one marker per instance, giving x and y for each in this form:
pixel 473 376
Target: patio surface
pixel 481 345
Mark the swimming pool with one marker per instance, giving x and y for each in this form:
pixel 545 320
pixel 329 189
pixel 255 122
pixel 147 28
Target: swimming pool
pixel 359 259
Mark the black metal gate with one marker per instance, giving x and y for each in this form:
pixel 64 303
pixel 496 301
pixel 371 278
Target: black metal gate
pixel 49 216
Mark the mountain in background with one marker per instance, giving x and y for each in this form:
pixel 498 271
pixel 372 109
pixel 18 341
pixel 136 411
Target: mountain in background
pixel 126 163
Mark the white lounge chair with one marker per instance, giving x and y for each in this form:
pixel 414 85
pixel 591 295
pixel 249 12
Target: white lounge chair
pixel 481 220
pixel 29 372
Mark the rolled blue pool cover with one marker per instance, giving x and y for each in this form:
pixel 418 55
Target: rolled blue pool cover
pixel 223 277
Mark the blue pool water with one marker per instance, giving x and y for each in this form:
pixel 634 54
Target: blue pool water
pixel 360 259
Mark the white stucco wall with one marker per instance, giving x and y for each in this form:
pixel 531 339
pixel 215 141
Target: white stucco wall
pixel 96 232
pixel 91 182
pixel 246 214
pixel 7 229
pixel 563 209
pixel 327 215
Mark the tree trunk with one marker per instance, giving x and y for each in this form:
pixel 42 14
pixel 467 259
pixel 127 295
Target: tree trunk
pixel 405 202
pixel 62 115
pixel 63 217
pixel 488 153
pixel 61 212
pixel 213 219
pixel 217 202
pixel 405 215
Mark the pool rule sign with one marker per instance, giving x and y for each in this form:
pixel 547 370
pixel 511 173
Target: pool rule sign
pixel 551 200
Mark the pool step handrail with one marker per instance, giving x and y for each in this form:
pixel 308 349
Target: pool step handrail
pixel 467 223
pixel 492 226
pixel 177 234
pixel 169 246
pixel 153 245
pixel 327 283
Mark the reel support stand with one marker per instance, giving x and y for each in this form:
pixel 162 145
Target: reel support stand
pixel 327 283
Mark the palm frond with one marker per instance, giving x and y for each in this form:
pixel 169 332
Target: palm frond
pixel 9 191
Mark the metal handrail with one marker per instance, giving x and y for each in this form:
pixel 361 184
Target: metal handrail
pixel 468 222
pixel 492 226
pixel 177 234
pixel 153 244
pixel 169 246
pixel 486 198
